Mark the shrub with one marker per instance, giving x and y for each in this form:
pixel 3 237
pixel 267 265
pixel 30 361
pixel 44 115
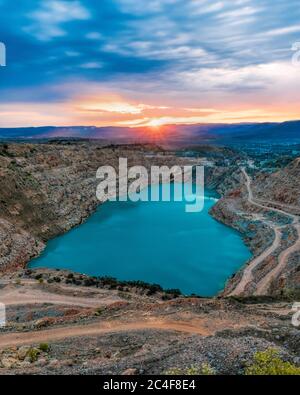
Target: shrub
pixel 44 347
pixel 174 292
pixel 57 279
pixel 269 363
pixel 174 372
pixel 33 354
pixel 207 370
pixel 90 282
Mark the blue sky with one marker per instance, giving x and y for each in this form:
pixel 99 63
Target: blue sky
pixel 127 62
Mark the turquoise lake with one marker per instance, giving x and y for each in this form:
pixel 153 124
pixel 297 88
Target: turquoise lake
pixel 156 242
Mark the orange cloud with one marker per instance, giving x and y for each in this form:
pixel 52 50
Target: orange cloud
pixel 100 106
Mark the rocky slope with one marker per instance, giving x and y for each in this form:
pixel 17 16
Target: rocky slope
pixel 46 189
pixel 282 187
pixel 96 327
pixel 273 209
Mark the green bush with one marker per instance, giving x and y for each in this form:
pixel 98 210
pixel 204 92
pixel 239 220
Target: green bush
pixel 33 354
pixel 44 347
pixel 269 363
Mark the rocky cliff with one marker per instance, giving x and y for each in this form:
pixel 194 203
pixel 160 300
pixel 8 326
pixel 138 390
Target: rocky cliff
pixel 46 189
pixel 282 187
pixel 266 214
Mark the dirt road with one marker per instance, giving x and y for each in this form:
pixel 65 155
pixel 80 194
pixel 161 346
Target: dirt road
pixel 19 297
pixel 25 338
pixel 263 286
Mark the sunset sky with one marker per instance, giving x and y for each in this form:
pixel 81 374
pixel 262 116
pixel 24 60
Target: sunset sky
pixel 141 62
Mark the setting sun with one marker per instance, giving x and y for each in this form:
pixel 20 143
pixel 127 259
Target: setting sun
pixel 155 123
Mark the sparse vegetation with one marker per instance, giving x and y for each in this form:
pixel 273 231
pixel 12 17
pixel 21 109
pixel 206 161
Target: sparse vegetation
pixel 122 286
pixel 269 363
pixel 33 354
pixel 44 347
pixel 204 370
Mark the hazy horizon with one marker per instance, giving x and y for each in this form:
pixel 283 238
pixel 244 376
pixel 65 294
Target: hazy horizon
pixel 136 127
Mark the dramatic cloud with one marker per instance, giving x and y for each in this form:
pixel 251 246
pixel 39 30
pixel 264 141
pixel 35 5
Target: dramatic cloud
pixel 48 20
pixel 231 56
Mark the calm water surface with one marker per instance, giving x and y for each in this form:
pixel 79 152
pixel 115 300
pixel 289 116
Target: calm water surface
pixel 157 242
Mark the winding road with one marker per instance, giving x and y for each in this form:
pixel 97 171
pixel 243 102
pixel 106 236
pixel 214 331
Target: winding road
pixel 264 284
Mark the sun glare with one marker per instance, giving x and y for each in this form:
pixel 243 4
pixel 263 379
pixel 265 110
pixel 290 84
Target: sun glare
pixel 155 123
pixel 156 131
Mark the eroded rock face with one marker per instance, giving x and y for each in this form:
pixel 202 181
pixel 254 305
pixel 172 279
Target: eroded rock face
pixel 223 178
pixel 257 224
pixel 282 187
pixel 17 246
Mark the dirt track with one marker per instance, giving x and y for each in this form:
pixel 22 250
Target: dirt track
pixel 11 296
pixel 17 339
pixel 263 286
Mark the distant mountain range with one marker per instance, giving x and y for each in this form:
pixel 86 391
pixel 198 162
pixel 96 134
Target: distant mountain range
pixel 287 132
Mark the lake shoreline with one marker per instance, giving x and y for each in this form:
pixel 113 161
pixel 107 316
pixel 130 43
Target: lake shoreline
pixel 214 274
